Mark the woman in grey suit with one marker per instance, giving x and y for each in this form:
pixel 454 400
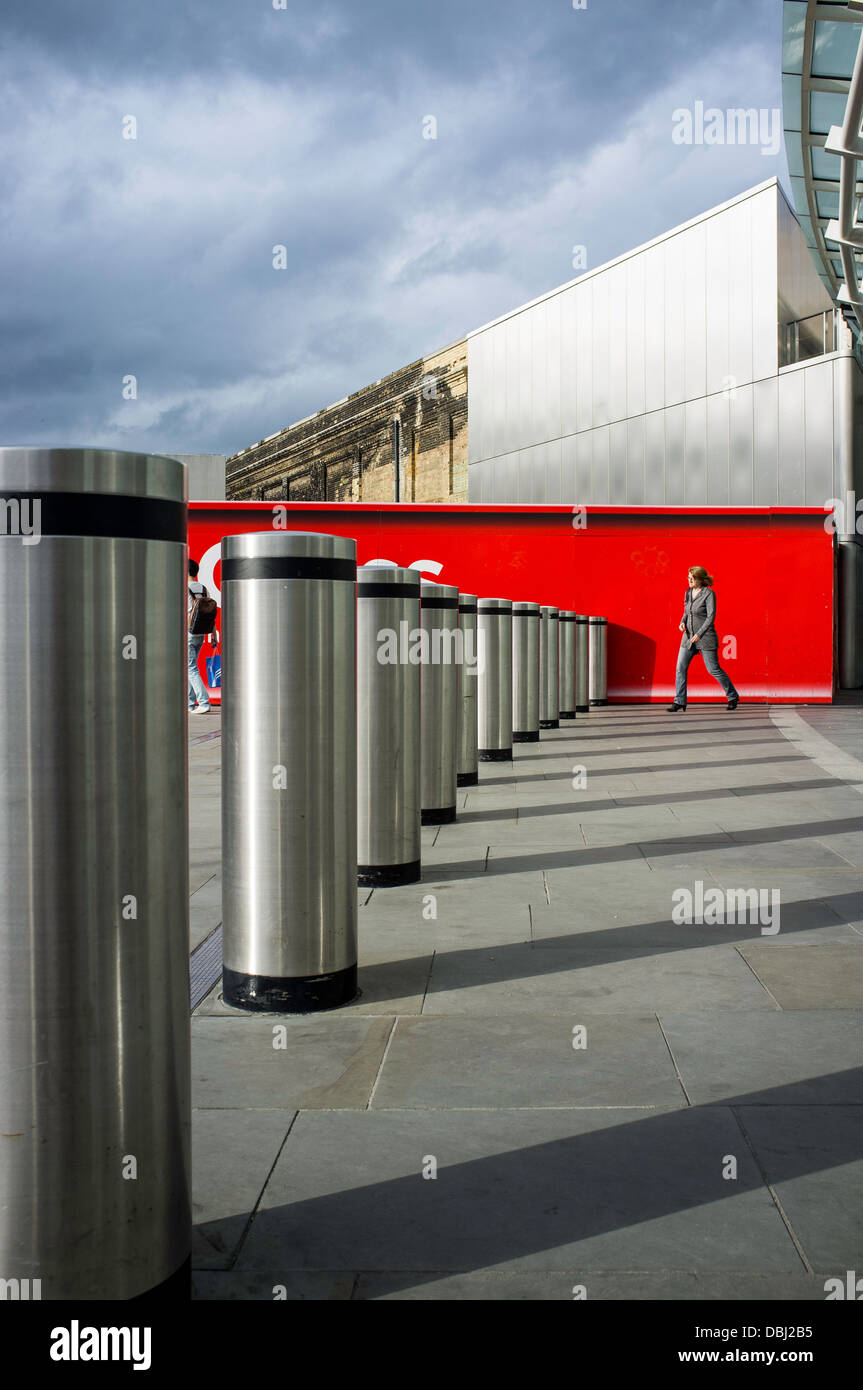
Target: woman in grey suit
pixel 699 635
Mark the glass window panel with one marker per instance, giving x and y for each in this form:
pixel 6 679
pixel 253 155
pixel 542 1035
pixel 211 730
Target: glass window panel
pixel 834 49
pixel 793 28
pixel 824 165
pixel 794 151
pixel 791 102
pixel 828 203
pixel 826 109
pixel 807 230
pixel 798 188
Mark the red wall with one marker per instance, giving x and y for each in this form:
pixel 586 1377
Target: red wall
pixel 774 572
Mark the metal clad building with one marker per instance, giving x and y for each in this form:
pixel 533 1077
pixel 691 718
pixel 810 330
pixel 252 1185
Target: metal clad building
pixel 705 368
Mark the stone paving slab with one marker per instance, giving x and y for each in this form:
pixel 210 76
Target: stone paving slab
pixel 307 1063
pixel 642 919
pixel 205 910
pixel 397 919
pixel 787 850
pixel 810 1058
pixel 524 980
pixel 568 1285
pixel 564 882
pixel 233 1152
pixel 527 1061
pixel 829 976
pixel 814 1160
pixel 517 1190
pixel 318 1286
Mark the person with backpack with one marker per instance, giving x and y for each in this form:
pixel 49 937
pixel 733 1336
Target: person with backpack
pixel 201 613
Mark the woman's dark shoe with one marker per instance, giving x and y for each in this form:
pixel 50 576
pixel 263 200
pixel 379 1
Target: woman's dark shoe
pixel 732 704
pixel 676 709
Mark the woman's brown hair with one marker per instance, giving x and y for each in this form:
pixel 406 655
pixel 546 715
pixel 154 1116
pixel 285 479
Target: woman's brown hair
pixel 700 575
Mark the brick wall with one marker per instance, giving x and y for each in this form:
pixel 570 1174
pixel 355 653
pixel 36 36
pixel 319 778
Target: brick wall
pixel 345 453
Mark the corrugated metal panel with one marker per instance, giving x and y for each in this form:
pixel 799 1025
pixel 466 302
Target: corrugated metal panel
pixel 741 447
pixel 718 421
pixel 636 383
pixel 818 412
pixel 766 437
pixel 695 478
pixel 792 438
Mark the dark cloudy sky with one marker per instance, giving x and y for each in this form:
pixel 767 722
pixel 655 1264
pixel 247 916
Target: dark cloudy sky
pixel 303 127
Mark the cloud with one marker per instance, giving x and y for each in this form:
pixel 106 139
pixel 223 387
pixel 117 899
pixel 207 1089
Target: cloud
pixel 154 256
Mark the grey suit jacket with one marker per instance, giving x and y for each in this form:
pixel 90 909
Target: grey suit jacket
pixel 699 616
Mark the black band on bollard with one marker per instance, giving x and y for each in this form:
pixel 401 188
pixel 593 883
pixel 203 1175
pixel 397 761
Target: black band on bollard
pixel 599 702
pixel 494 755
pixel 106 514
pixel 582 709
pixel 567 714
pixel 303 994
pixel 494 612
pixel 549 723
pixel 532 736
pixel 177 1288
pixel 438 815
pixel 369 590
pixel 388 875
pixel 468 779
pixel 443 603
pixel 289 567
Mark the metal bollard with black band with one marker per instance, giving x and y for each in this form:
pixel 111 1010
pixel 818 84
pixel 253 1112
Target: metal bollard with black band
pixel 549 667
pixel 567 663
pixel 439 702
pixel 494 641
pixel 95 1196
pixel 525 672
pixel 289 771
pixel 388 727
pixel 467 769
pixel 582 663
pixel 598 628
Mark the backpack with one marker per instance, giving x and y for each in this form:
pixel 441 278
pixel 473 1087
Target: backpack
pixel 202 619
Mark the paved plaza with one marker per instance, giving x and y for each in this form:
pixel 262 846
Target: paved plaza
pixel 549 1085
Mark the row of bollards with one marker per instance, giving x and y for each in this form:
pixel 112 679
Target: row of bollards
pixel 349 716
pixel 443 681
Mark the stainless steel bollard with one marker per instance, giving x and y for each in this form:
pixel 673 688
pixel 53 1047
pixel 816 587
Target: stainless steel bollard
pixel 94 906
pixel 525 672
pixel 549 666
pixel 388 726
pixel 439 702
pixel 582 663
pixel 467 770
pixel 598 678
pixel 494 718
pixel 567 664
pixel 289 771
